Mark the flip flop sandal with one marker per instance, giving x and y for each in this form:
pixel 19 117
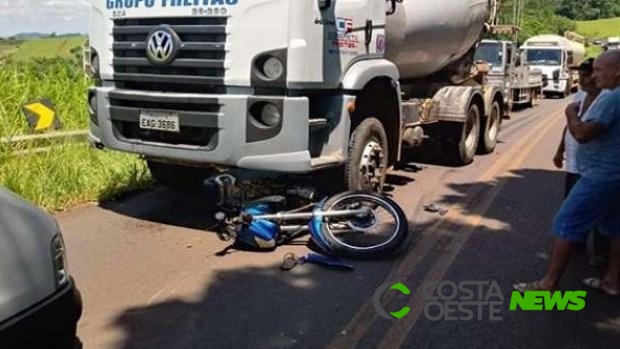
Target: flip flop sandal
pixel 528 286
pixel 597 284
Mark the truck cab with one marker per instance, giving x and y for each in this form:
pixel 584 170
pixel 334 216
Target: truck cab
pixel 557 57
pixel 290 86
pixel 510 72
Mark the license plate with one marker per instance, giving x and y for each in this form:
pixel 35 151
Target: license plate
pixel 168 122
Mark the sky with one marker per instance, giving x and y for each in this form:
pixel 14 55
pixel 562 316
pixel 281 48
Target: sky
pixel 47 16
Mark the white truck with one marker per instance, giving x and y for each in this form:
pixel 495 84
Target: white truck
pixel 290 86
pixel 558 57
pixel 612 43
pixel 507 69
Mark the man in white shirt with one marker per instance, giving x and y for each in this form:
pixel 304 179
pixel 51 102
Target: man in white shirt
pixel 567 150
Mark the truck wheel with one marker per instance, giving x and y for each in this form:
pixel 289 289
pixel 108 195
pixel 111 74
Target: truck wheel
pixel 177 176
pixel 533 99
pixel 567 91
pixel 366 166
pixel 490 129
pixel 463 138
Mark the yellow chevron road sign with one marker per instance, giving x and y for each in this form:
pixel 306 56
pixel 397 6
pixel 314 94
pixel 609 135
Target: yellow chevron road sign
pixel 41 115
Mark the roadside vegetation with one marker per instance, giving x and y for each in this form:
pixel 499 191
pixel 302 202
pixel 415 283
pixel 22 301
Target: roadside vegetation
pixel 67 174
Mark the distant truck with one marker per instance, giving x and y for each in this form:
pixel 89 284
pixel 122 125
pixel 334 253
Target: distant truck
pixel 613 43
pixel 557 57
pixel 520 83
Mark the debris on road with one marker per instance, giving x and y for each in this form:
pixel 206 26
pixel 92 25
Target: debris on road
pixel 291 260
pixel 436 209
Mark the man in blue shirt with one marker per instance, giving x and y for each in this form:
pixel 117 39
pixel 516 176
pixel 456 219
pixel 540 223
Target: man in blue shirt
pixel 595 199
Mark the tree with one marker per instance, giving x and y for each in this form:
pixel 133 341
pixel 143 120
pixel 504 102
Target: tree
pixel 539 17
pixel 589 9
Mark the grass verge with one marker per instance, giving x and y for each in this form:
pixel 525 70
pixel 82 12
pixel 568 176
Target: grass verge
pixel 72 174
pixel 67 174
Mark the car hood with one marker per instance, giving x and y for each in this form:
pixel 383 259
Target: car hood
pixel 26 265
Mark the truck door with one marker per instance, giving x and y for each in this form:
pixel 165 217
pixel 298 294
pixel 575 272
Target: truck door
pixel 355 30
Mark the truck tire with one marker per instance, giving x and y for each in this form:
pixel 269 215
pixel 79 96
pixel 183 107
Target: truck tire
pixel 534 94
pixel 366 166
pixel 462 138
pixel 177 176
pixel 490 129
pixel 567 91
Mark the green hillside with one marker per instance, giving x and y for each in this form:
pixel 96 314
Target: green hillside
pixel 48 48
pixel 600 28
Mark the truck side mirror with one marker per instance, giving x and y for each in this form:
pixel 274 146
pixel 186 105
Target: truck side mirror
pixel 392 9
pixel 325 4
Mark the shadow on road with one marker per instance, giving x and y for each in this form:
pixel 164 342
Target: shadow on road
pixel 254 307
pixel 195 208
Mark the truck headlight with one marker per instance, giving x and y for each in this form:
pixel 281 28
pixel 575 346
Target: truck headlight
pixel 59 261
pixel 266 114
pixel 272 68
pixel 269 69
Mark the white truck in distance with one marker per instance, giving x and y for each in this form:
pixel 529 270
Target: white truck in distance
pixel 557 57
pixel 291 86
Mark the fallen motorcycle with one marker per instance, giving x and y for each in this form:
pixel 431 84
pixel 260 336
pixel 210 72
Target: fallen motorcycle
pixel 354 225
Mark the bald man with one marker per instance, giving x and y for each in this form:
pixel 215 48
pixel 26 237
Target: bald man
pixel 595 199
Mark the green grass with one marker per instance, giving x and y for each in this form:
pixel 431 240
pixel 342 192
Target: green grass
pixel 601 28
pixel 47 48
pixel 73 174
pixel 593 51
pixel 58 80
pixel 598 29
pixel 6 49
pixel 68 174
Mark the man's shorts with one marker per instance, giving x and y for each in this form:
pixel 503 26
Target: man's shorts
pixel 589 205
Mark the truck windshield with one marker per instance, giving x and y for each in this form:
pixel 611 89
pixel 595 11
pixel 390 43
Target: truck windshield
pixel 490 53
pixel 544 57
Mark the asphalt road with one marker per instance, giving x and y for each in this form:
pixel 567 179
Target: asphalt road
pixel 150 278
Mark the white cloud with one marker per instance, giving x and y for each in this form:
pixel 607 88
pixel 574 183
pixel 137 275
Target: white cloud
pixel 47 16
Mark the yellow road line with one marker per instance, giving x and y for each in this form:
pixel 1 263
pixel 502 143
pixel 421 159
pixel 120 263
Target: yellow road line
pixel 364 318
pixel 400 329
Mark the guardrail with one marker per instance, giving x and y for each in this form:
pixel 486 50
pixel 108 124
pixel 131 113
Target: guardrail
pixel 26 144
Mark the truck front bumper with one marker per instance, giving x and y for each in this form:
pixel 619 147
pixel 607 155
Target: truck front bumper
pixel 556 86
pixel 214 129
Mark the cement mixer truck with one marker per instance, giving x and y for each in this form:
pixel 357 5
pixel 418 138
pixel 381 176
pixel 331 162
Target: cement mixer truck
pixel 290 86
pixel 557 57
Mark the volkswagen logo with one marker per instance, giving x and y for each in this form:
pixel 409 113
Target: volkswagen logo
pixel 162 45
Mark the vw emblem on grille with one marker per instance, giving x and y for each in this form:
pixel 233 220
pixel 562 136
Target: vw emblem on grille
pixel 162 45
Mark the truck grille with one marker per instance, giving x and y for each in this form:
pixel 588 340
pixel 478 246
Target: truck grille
pixel 198 119
pixel 197 67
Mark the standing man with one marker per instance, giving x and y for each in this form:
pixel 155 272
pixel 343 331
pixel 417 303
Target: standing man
pixel 567 153
pixel 567 150
pixel 595 199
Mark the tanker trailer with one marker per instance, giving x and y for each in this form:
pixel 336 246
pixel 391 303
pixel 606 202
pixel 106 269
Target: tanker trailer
pixel 557 57
pixel 289 86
